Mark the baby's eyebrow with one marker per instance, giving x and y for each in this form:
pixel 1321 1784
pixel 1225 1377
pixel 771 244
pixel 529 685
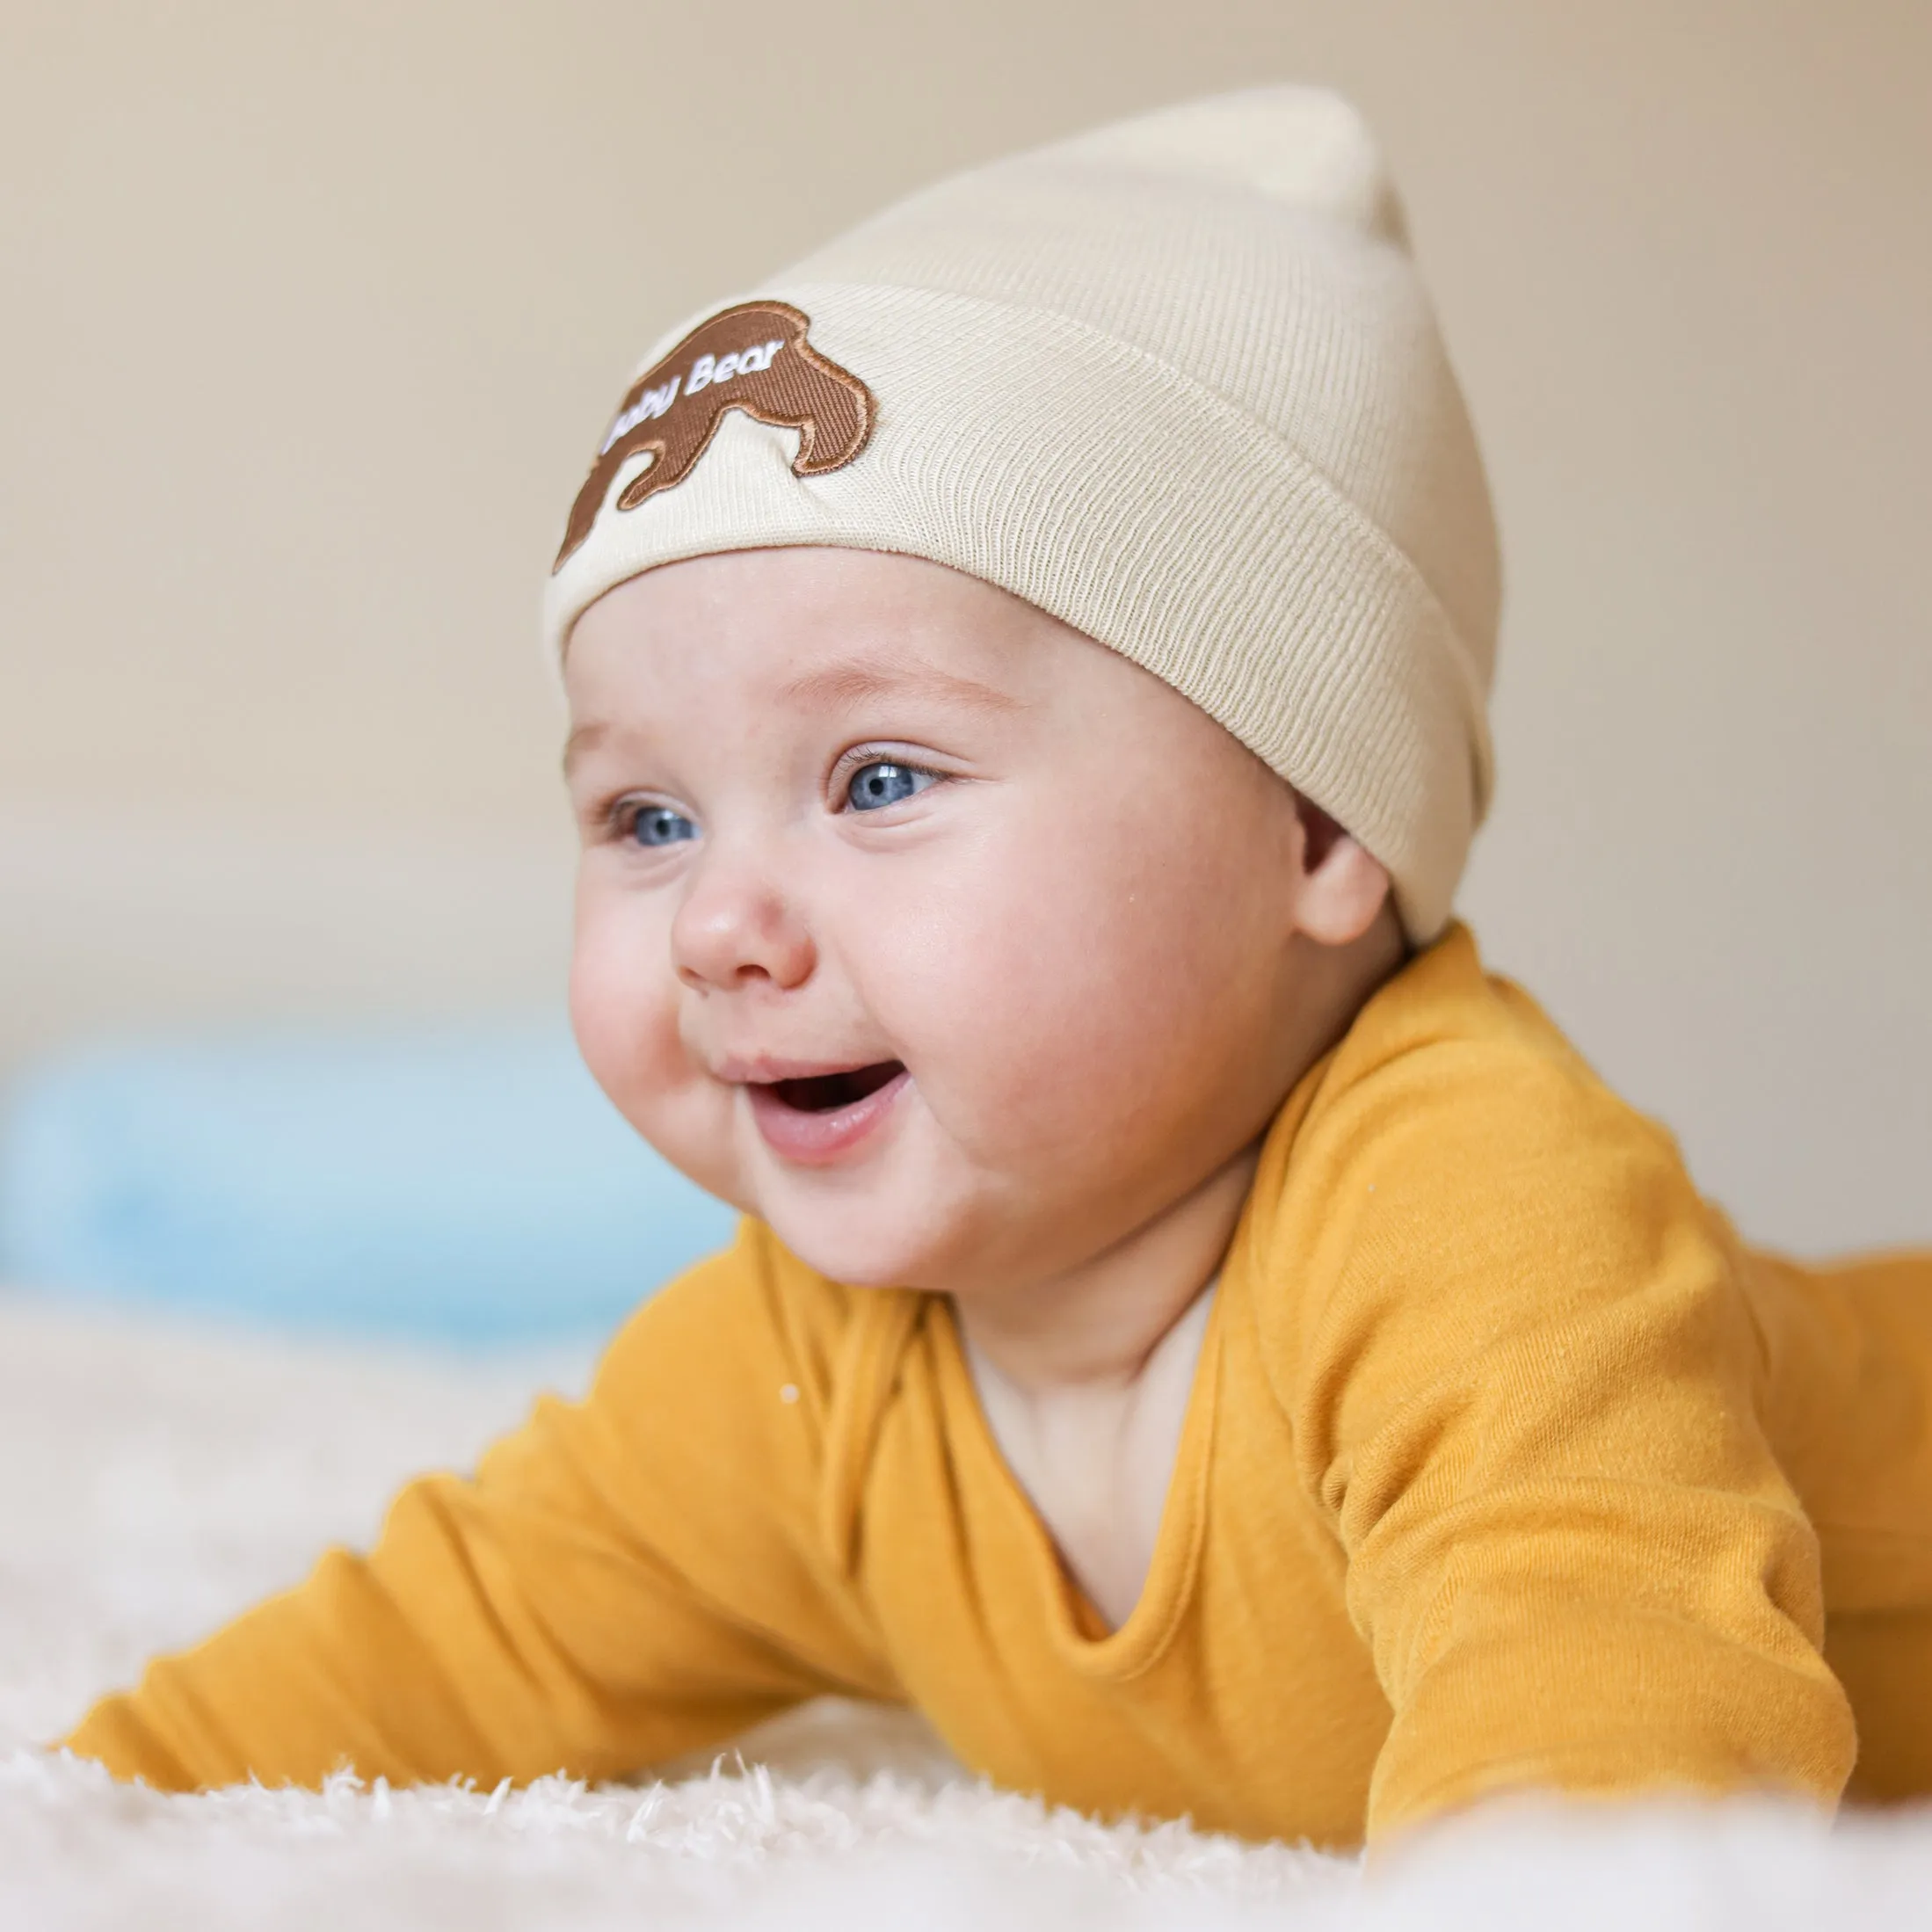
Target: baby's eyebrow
pixel 856 682
pixel 586 738
pixel 838 686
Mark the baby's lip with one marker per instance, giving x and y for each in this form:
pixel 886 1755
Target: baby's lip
pixel 767 1069
pixel 812 1120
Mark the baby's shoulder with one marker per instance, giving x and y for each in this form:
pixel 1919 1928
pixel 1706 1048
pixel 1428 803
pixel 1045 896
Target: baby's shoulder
pixel 1449 1064
pixel 1456 1143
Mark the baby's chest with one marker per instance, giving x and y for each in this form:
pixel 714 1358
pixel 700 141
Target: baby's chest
pixel 1235 1689
pixel 1099 1464
pixel 1099 1479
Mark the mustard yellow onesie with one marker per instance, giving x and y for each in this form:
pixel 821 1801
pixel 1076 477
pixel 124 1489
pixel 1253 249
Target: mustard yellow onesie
pixel 1504 1463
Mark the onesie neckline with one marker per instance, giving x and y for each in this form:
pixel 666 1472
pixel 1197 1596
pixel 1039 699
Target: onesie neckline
pixel 1076 1632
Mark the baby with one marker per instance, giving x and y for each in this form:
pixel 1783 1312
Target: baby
pixel 1192 1334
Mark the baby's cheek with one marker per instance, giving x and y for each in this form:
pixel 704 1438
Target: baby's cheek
pixel 623 1009
pixel 1022 1018
pixel 1082 1013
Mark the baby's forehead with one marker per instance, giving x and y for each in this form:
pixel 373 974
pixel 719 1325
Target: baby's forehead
pixel 819 627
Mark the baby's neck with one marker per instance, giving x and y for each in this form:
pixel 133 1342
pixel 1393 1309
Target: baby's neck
pixel 1085 1385
pixel 1095 1326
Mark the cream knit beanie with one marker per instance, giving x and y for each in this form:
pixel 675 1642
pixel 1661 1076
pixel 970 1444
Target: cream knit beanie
pixel 1175 381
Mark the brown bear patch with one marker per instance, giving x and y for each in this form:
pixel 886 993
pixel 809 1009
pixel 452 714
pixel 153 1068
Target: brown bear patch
pixel 754 357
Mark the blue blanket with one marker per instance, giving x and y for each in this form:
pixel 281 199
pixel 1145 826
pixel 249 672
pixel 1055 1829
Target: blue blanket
pixel 462 1185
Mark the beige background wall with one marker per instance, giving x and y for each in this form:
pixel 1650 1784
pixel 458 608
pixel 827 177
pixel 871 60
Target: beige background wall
pixel 309 315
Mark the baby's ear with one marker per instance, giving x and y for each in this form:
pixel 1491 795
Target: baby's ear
pixel 1342 889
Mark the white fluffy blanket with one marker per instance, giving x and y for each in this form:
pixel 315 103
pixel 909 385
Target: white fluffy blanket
pixel 153 1480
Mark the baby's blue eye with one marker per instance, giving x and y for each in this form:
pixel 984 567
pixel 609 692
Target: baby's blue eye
pixel 656 825
pixel 884 783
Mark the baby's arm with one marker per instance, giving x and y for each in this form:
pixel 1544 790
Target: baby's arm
pixel 1526 1381
pixel 623 1580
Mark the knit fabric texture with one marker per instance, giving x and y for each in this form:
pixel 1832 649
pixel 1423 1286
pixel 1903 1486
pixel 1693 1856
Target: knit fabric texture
pixel 1176 382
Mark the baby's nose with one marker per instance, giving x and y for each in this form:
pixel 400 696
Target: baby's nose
pixel 735 929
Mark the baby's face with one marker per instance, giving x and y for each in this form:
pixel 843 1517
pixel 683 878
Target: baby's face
pixel 942 938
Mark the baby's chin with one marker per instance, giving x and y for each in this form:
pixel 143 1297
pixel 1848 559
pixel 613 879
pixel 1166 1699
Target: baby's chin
pixel 857 1245
pixel 907 1213
pixel 886 1234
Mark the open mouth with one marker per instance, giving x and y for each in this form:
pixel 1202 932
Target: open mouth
pixel 827 1093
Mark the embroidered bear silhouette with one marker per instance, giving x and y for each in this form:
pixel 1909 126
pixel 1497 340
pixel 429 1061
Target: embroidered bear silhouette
pixel 753 356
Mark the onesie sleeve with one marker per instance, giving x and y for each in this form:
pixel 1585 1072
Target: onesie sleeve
pixel 1525 1390
pixel 622 1579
